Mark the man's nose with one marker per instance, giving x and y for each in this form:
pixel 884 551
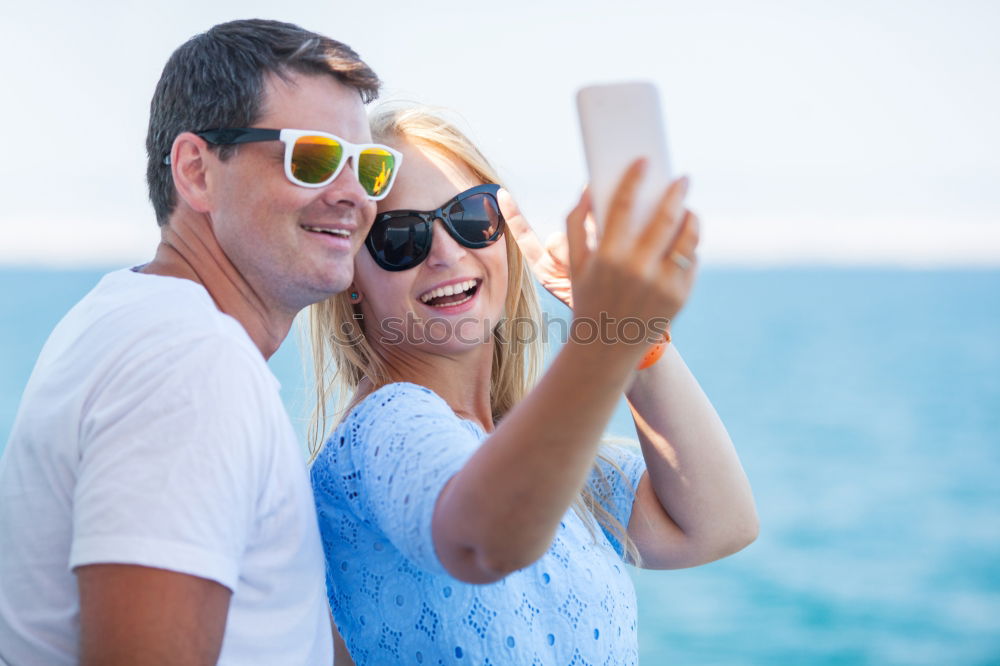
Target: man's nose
pixel 346 188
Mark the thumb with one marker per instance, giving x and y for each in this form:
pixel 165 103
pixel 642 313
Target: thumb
pixel 524 235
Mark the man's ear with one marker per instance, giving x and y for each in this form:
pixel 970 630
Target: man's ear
pixel 190 160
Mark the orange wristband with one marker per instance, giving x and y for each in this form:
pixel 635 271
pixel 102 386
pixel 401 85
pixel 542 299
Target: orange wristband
pixel 654 353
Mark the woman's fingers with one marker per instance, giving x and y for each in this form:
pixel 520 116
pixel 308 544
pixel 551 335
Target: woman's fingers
pixel 553 270
pixel 576 233
pixel 642 271
pixel 681 255
pixel 524 235
pixel 557 247
pixel 619 214
pixel 662 229
pixel 590 225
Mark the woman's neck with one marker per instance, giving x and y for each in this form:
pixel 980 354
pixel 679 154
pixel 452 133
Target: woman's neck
pixel 463 380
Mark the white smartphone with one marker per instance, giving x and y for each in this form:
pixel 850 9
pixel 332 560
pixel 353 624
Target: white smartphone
pixel 620 123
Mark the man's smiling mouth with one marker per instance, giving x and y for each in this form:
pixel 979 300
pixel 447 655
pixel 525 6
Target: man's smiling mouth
pixel 342 233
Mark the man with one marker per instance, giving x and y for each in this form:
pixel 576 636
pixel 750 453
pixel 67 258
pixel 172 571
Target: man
pixel 154 506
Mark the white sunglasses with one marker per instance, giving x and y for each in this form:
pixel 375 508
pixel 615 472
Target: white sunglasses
pixel 315 159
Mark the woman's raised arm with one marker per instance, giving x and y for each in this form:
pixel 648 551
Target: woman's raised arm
pixel 500 511
pixel 694 504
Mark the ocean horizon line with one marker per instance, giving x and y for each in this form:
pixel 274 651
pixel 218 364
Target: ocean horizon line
pixel 752 242
pixel 802 264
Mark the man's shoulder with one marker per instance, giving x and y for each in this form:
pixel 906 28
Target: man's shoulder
pixel 173 306
pixel 134 325
pixel 128 312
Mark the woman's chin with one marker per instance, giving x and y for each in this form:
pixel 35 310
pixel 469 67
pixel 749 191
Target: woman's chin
pixel 447 335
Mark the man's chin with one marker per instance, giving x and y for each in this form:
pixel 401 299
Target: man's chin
pixel 336 284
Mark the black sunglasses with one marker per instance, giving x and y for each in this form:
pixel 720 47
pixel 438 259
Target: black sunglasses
pixel 401 239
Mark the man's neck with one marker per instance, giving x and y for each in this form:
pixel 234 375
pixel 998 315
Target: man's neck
pixel 188 249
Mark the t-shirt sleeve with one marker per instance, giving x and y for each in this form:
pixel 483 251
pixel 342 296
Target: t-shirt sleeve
pixel 171 462
pixel 613 483
pixel 406 443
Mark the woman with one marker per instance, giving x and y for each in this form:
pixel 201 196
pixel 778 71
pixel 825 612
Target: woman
pixel 463 517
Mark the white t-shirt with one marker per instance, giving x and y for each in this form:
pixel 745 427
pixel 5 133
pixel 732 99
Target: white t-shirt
pixel 152 432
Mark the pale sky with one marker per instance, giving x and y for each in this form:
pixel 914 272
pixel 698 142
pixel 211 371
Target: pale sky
pixel 814 132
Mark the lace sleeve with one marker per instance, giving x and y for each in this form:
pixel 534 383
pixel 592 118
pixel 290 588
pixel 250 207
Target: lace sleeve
pixel 614 489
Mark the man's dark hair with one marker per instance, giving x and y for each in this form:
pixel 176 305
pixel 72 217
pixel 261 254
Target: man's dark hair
pixel 216 79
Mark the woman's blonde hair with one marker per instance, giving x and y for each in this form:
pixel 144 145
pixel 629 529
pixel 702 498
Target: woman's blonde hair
pixel 342 356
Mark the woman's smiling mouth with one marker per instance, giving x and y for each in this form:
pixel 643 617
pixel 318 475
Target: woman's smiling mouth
pixel 451 295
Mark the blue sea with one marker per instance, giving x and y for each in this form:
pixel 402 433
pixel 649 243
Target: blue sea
pixel 865 405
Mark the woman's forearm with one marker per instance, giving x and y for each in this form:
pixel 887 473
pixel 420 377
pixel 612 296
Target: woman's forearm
pixel 693 469
pixel 500 512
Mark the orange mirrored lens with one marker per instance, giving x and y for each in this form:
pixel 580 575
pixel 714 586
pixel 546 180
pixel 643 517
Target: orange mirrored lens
pixel 375 170
pixel 315 158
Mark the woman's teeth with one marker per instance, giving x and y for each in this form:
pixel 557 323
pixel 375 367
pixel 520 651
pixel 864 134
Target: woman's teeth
pixel 449 290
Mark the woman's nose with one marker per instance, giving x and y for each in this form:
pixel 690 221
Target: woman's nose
pixel 444 250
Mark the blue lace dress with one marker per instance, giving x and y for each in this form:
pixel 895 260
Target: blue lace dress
pixel 376 482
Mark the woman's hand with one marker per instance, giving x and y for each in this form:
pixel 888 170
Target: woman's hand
pixel 636 271
pixel 548 263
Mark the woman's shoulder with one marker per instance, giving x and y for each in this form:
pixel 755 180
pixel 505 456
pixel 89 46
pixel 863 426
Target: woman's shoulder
pixel 397 420
pixel 381 414
pixel 393 409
